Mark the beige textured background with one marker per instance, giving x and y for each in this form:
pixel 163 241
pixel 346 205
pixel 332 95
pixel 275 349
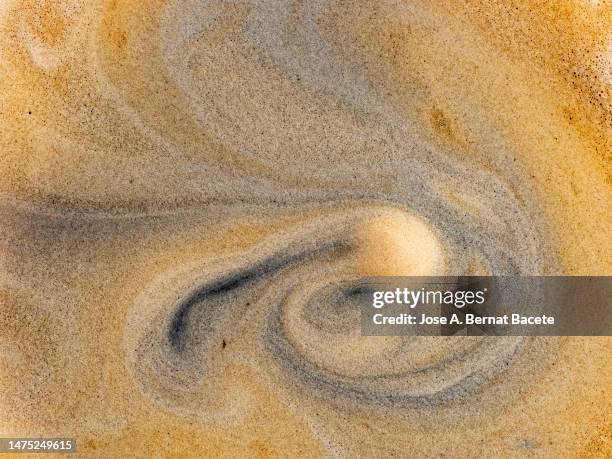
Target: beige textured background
pixel 151 149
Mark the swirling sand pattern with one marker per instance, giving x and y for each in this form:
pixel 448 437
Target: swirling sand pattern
pixel 188 190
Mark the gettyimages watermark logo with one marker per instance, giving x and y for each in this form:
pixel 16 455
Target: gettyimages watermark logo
pixel 508 306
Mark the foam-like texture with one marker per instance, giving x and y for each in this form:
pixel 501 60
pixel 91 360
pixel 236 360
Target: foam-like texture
pixel 188 190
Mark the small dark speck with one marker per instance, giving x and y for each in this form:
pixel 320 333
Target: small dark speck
pixel 223 344
pixel 29 112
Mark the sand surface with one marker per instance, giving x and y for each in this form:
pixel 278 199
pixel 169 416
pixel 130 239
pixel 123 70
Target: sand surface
pixel 184 184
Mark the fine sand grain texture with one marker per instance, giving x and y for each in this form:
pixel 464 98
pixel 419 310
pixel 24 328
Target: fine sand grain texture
pixel 184 185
